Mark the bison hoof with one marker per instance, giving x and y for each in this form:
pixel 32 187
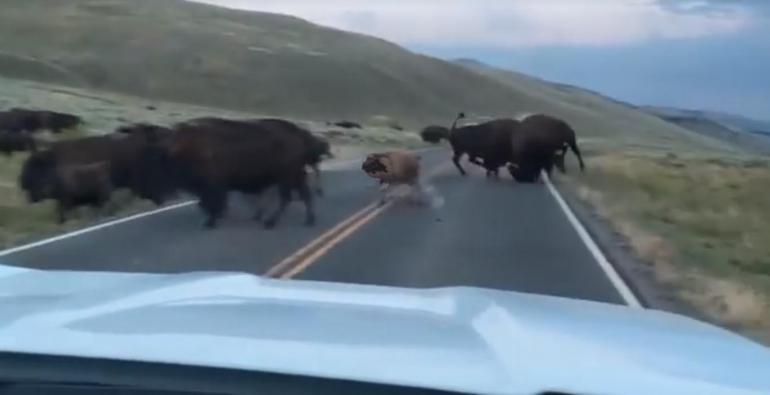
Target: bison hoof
pixel 210 224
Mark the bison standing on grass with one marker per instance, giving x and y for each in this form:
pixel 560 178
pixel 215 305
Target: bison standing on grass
pixel 71 185
pixel 19 120
pixel 212 156
pixel 16 142
pixel 134 161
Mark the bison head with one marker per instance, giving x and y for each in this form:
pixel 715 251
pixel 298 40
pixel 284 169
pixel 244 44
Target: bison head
pixel 527 174
pixel 38 176
pixel 373 166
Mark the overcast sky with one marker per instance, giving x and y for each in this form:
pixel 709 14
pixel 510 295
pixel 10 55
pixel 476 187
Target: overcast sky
pixel 711 54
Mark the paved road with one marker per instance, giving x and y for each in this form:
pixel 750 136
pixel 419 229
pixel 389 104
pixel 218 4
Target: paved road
pixel 489 234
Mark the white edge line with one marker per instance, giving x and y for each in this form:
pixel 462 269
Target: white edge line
pixel 93 228
pixel 620 285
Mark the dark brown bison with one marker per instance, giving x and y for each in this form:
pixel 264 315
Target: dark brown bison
pixel 71 185
pixel 23 120
pixel 486 144
pixel 16 142
pixel 348 124
pixel 539 144
pixel 135 161
pixel 211 156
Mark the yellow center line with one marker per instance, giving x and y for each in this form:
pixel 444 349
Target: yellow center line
pixel 323 249
pixel 317 242
pixel 320 246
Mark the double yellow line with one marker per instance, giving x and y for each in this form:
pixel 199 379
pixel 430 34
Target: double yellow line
pixel 318 247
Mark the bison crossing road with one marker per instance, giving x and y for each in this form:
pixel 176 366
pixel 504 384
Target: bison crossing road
pixel 488 233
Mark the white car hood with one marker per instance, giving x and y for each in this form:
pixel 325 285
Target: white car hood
pixel 461 339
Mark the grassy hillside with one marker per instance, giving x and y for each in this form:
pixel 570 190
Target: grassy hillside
pixel 749 134
pixel 280 65
pixel 182 51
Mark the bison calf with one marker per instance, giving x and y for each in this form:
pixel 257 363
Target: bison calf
pixel 393 169
pixel 70 185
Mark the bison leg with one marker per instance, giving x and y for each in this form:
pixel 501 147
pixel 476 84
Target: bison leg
pixel 213 204
pixel 475 161
pixel 456 161
pixel 304 193
pixel 318 187
pixel 285 198
pixel 61 211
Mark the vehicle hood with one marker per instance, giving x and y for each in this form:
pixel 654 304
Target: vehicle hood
pixel 461 339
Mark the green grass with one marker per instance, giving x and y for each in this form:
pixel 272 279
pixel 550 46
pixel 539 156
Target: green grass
pixel 703 221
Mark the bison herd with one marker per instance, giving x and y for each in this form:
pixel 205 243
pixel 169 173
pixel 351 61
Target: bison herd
pixel 527 147
pixel 206 157
pixel 18 125
pixel 210 157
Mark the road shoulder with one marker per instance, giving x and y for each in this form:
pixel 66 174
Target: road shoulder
pixel 637 274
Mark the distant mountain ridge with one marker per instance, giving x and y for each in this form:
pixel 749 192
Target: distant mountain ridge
pixel 751 134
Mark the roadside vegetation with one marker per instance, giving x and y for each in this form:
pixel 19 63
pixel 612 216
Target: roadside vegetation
pixel 701 220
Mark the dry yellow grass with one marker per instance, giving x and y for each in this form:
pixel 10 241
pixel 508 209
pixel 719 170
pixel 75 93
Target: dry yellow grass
pixel 703 222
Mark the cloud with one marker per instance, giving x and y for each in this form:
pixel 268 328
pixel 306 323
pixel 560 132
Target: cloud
pixel 516 23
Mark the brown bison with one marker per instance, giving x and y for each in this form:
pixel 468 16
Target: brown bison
pixel 211 156
pixel 539 144
pixel 135 161
pixel 16 142
pixel 23 120
pixel 486 144
pixel 348 124
pixel 71 185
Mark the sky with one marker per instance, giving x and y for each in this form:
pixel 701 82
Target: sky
pixel 697 54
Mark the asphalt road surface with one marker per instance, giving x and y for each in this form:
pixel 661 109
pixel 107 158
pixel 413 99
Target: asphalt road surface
pixel 494 234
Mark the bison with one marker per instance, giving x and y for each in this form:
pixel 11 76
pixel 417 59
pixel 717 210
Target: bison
pixel 16 142
pixel 348 124
pixel 71 185
pixel 393 169
pixel 136 161
pixel 539 144
pixel 212 156
pixel 23 120
pixel 486 144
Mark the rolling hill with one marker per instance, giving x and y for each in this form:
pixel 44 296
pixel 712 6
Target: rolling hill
pixel 750 134
pixel 175 50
